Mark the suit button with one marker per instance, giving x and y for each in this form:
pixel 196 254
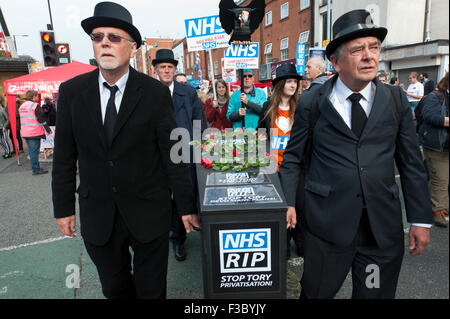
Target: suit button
pixel 362 169
pixel 111 163
pixel 114 189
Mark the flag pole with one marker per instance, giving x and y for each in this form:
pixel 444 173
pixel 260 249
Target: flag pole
pixel 212 72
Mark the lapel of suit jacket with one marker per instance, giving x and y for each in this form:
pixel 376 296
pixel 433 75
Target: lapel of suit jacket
pixel 329 112
pixel 381 105
pixel 91 97
pixel 131 97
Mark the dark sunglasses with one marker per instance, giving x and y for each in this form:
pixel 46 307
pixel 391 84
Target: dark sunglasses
pixel 114 38
pixel 248 76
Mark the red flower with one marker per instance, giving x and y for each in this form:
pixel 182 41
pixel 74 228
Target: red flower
pixel 206 162
pixel 235 153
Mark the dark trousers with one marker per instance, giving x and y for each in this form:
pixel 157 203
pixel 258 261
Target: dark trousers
pixel 177 230
pixel 19 140
pixel 113 262
pixel 375 271
pixel 297 233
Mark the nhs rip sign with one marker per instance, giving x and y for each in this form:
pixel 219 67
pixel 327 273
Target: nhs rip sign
pixel 205 33
pixel 242 56
pixel 245 250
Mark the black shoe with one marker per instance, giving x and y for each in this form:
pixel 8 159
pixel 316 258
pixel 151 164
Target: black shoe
pixel 42 171
pixel 180 253
pixel 6 155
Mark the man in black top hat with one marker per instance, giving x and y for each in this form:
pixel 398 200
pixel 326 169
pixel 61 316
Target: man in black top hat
pixel 188 112
pixel 117 123
pixel 352 212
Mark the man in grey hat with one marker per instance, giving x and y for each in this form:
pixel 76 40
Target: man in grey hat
pixel 352 209
pixel 116 123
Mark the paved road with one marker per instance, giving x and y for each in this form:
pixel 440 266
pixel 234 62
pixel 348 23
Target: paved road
pixel 37 262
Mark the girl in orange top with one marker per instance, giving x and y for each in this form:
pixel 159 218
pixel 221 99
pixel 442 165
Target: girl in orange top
pixel 278 112
pixel 277 118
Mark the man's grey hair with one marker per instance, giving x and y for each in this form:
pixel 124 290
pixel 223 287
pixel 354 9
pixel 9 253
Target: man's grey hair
pixel 337 54
pixel 319 62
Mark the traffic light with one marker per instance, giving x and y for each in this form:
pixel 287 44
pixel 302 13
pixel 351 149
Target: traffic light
pixel 49 48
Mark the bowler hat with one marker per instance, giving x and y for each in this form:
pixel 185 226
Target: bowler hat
pixel 352 25
pixel 164 56
pixel 110 14
pixel 286 71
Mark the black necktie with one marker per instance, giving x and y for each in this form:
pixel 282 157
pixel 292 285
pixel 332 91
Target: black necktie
pixel 359 117
pixel 111 113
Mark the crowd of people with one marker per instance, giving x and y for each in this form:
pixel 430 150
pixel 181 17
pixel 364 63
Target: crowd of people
pixel 29 122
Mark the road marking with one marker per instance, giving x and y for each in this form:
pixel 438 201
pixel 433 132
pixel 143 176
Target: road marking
pixel 17 272
pixel 46 241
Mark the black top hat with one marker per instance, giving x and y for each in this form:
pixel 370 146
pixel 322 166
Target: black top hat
pixel 352 25
pixel 110 14
pixel 286 71
pixel 164 56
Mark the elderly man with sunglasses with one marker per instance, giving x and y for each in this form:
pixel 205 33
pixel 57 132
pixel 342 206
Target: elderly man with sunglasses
pixel 245 107
pixel 116 123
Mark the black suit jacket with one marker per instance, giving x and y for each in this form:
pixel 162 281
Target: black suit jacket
pixel 134 173
pixel 187 109
pixel 344 169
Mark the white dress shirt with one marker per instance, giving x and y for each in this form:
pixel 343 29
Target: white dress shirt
pixel 171 88
pixel 339 99
pixel 105 93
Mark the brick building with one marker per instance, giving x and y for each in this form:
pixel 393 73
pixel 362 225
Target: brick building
pixel 147 52
pixel 284 24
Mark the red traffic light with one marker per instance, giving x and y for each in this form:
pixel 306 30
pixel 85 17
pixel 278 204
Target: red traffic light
pixel 46 37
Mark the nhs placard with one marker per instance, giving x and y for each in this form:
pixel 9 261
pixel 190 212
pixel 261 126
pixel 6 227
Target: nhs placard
pixel 301 58
pixel 245 250
pixel 205 33
pixel 242 56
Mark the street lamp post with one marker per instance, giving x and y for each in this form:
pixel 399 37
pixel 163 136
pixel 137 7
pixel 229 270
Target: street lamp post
pixel 50 12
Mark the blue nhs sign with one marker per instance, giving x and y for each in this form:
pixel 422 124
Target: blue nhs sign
pixel 243 51
pixel 245 250
pixel 200 27
pixel 244 240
